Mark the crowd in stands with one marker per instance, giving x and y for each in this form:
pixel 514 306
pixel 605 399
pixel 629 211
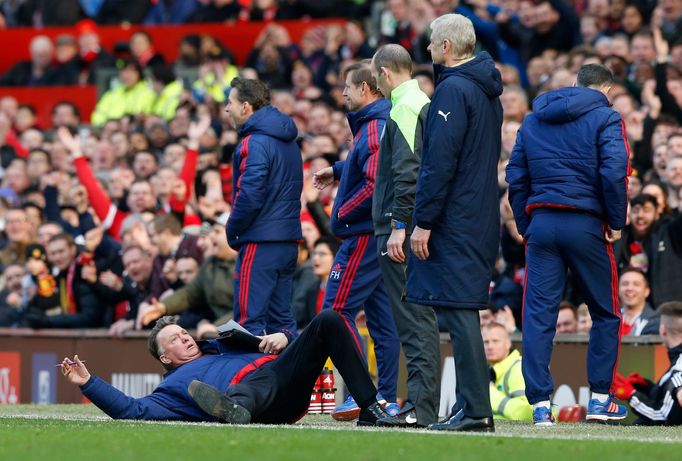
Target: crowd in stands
pixel 114 218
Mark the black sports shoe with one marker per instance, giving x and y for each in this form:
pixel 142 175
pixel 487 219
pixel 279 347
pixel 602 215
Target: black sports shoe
pixel 370 415
pixel 407 417
pixel 217 404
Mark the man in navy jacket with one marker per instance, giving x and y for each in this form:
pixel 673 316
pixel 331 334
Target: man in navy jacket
pixel 264 224
pixel 355 279
pixel 456 210
pixel 236 386
pixel 568 189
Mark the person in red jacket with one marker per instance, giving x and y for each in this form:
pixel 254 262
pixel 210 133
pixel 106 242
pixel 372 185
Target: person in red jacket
pixel 140 197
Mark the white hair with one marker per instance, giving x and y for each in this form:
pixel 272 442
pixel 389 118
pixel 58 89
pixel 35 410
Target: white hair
pixel 40 41
pixel 458 30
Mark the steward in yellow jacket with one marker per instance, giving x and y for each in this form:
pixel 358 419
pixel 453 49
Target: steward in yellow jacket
pixel 133 96
pixel 507 387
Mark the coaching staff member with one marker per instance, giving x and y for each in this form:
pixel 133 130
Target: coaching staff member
pixel 236 386
pixel 457 218
pixel 396 184
pixel 567 187
pixel 264 224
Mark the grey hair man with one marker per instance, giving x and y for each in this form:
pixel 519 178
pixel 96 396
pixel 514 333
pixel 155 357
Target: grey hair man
pixel 456 233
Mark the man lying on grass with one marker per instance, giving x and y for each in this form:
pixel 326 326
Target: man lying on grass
pixel 213 381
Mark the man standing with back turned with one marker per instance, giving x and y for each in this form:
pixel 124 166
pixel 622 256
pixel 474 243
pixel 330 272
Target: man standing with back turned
pixel 457 216
pixel 396 184
pixel 567 186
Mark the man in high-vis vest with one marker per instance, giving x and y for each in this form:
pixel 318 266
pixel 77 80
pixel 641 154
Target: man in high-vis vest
pixel 507 388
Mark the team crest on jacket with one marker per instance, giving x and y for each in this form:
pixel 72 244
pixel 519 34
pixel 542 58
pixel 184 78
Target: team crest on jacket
pixel 335 273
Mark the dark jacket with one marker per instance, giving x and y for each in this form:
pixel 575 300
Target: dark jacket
pixel 170 400
pixel 22 75
pixel 90 311
pixel 457 191
pixel 647 323
pixel 570 153
pixel 657 404
pixel 10 315
pixel 352 211
pixel 401 147
pixel 306 288
pixel 663 248
pixel 267 181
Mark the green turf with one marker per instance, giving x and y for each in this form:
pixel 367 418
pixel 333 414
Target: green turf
pixel 80 432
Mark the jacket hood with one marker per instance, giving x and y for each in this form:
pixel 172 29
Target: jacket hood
pixel 377 109
pixel 566 104
pixel 271 122
pixel 481 70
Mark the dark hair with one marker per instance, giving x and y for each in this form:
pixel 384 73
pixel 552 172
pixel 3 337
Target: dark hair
pixel 65 236
pixel 331 242
pixel 252 91
pixel 594 75
pixel 636 271
pixel 394 57
pixel 643 199
pixel 671 308
pixel 156 160
pixel 153 344
pixel 134 65
pixel 163 73
pixel 671 313
pixel 73 107
pixel 28 107
pixel 565 304
pixel 166 221
pixel 423 73
pixel 361 72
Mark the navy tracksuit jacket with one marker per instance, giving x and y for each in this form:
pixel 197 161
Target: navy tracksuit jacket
pixel 567 181
pixel 264 224
pixel 355 280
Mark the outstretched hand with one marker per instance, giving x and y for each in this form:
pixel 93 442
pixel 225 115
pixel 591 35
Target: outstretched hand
pixel 75 371
pixel 323 178
pixel 70 142
pixel 149 313
pixel 197 129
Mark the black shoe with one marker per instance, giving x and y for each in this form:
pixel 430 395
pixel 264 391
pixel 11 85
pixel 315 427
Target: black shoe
pixel 407 417
pixel 213 402
pixel 465 423
pixel 370 415
pixel 449 420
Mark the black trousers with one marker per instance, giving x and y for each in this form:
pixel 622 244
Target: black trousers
pixel 418 330
pixel 279 391
pixel 471 368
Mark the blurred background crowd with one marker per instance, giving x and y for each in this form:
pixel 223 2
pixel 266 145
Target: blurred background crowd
pixel 136 223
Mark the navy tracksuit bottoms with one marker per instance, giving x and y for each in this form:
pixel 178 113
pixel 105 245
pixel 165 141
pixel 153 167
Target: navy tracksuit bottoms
pixel 355 281
pixel 263 282
pixel 558 240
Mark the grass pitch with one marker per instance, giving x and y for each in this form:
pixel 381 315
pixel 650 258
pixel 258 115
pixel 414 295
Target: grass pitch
pixel 82 432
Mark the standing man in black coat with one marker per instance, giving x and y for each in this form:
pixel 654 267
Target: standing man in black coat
pixel 456 211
